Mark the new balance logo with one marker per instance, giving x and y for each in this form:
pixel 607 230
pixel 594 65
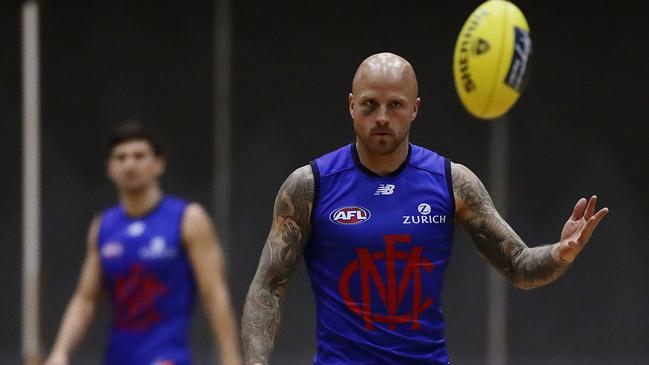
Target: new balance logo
pixel 384 189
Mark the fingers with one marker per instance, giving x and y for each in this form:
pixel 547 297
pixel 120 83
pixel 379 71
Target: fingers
pixel 578 211
pixel 600 214
pixel 590 207
pixel 592 224
pixel 584 208
pixel 583 222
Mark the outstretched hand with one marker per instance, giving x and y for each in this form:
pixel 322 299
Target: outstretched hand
pixel 577 230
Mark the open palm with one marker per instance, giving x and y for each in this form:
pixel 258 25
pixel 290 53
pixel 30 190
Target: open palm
pixel 578 229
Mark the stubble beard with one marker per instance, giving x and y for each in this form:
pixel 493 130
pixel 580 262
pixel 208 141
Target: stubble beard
pixel 381 146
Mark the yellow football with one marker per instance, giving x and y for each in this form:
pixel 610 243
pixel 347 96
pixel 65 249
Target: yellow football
pixel 491 59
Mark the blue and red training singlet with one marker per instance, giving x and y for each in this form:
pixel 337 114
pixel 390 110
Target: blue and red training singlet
pixel 150 284
pixel 378 250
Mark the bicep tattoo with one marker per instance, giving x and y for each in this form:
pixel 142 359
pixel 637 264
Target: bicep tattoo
pixel 496 241
pixel 291 227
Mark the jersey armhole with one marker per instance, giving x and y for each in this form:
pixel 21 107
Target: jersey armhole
pixel 99 234
pixel 181 224
pixel 316 191
pixel 449 185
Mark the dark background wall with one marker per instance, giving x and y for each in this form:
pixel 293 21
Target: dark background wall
pixel 10 160
pixel 578 130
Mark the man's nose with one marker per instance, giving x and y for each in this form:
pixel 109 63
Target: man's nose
pixel 129 162
pixel 382 115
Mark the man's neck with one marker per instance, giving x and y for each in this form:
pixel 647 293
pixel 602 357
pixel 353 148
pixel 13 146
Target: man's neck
pixel 138 203
pixel 383 165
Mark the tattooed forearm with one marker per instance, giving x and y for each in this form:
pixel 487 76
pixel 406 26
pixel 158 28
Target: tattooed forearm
pixel 260 322
pixel 497 242
pixel 288 236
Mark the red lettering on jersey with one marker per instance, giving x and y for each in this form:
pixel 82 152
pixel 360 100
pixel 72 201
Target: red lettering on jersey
pixel 391 295
pixel 135 296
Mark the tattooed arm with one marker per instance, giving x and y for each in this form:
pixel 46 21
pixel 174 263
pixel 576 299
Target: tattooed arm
pixel 497 242
pixel 288 235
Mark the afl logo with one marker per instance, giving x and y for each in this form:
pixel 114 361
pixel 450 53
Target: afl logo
pixel 350 215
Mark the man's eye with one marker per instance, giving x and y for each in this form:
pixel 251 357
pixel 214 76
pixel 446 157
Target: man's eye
pixel 396 104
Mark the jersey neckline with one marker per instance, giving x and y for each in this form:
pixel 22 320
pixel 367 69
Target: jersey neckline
pixel 146 214
pixel 370 173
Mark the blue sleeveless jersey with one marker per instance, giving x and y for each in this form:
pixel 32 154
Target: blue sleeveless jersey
pixel 378 250
pixel 149 280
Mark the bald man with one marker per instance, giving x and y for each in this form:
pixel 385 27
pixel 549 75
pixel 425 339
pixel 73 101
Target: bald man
pixel 374 221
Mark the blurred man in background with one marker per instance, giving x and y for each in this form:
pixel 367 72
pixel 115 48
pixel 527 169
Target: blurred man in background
pixel 149 253
pixel 375 222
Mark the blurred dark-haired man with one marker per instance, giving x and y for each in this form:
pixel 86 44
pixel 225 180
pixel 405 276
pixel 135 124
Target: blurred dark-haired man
pixel 149 253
